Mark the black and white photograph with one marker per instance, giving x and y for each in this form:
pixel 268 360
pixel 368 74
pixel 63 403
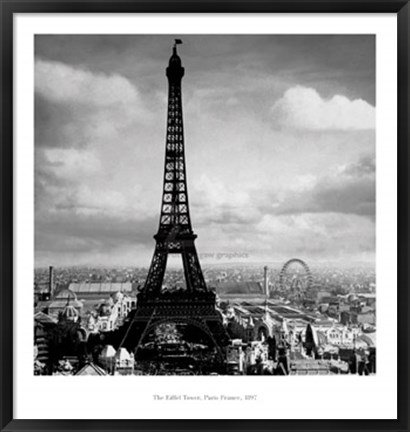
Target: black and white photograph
pixel 204 204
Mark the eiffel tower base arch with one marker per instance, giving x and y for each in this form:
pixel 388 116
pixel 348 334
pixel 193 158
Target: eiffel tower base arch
pixel 180 308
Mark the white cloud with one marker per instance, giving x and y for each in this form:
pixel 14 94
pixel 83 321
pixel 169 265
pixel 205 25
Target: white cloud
pixel 303 108
pixel 59 82
pixel 218 202
pixel 349 189
pixel 215 193
pixel 80 108
pixel 327 235
pixel 72 164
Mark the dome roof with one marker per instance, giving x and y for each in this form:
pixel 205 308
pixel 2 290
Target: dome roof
pixel 109 302
pixel 123 354
pixel 118 296
pixel 108 352
pixel 70 313
pixel 66 294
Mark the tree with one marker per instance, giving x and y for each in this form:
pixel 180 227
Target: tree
pixel 310 344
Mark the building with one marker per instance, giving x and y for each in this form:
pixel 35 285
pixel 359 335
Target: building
pixel 91 369
pixel 340 335
pixel 59 301
pixel 100 290
pixel 109 314
pixel 235 357
pixel 43 326
pixel 102 306
pixel 251 323
pixel 368 317
pixel 107 358
pixel 124 362
pixel 234 290
pixel 318 367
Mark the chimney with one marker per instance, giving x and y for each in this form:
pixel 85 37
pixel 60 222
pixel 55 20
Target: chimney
pixel 51 281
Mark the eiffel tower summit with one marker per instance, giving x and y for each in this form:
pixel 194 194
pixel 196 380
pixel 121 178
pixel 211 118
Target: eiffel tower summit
pixel 194 306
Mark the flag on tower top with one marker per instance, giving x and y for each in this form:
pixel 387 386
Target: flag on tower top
pixel 178 41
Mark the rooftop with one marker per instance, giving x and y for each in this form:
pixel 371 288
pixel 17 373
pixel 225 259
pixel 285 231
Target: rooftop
pixel 91 369
pixel 104 288
pixel 230 287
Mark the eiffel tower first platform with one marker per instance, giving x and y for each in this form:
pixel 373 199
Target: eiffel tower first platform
pixel 194 305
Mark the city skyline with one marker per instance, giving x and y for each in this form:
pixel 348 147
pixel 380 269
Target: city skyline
pixel 280 146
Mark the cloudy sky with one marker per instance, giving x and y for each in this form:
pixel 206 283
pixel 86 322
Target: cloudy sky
pixel 280 146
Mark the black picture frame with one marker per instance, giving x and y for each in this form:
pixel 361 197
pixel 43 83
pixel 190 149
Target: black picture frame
pixel 8 9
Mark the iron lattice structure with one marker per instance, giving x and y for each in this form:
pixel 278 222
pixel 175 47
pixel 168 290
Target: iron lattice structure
pixel 196 304
pixel 175 233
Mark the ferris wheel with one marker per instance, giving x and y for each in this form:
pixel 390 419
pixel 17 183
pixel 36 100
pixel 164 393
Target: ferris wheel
pixel 295 277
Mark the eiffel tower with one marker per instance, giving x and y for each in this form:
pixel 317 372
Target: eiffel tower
pixel 194 305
